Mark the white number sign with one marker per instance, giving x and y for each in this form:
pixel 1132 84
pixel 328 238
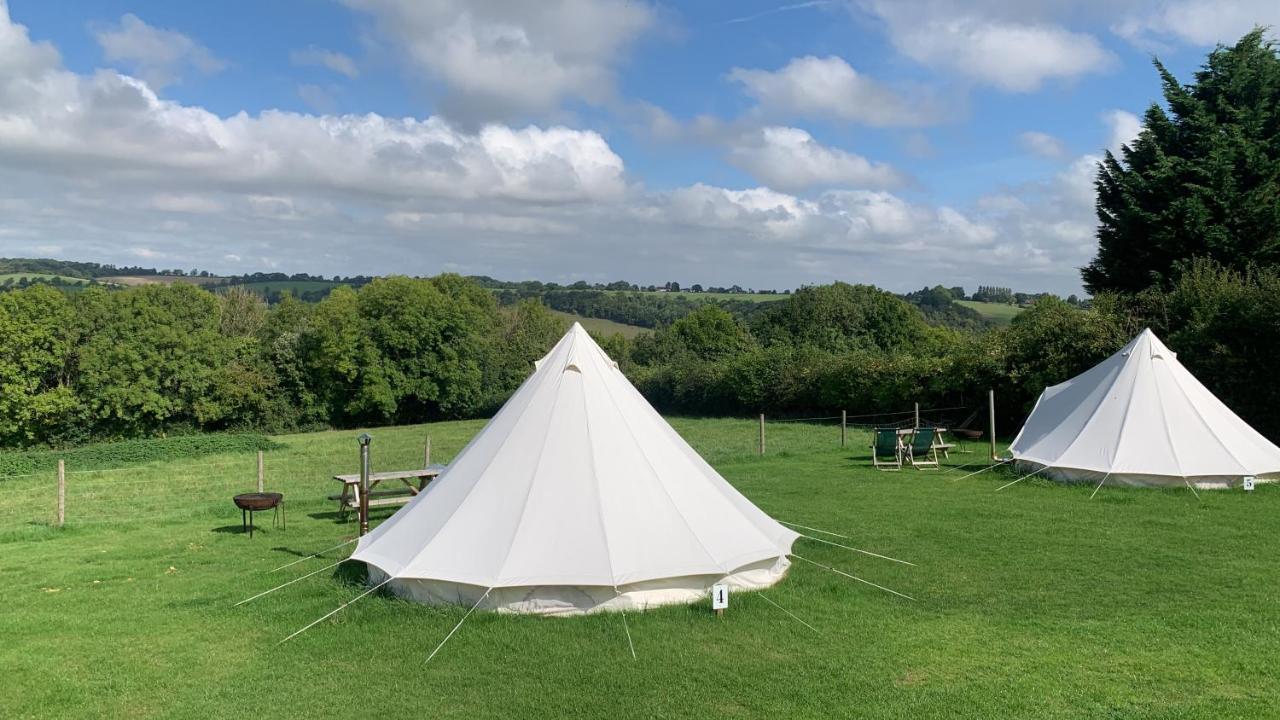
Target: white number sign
pixel 1248 482
pixel 719 597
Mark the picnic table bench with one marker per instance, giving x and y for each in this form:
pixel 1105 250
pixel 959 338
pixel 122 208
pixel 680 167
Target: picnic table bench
pixel 938 443
pixel 414 482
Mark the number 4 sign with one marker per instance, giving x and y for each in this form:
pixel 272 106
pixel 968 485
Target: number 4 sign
pixel 719 597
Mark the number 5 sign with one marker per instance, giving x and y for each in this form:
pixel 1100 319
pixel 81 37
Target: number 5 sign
pixel 719 598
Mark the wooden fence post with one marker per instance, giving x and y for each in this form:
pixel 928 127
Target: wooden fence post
pixel 426 454
pixel 991 420
pixel 917 416
pixel 844 417
pixel 259 471
pixel 62 492
pixel 761 434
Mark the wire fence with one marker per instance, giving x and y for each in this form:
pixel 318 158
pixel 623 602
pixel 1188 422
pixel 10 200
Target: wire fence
pixel 965 427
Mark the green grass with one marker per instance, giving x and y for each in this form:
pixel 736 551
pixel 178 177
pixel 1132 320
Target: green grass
pixel 1032 602
pixel 1000 312
pixel 600 326
pixel 293 286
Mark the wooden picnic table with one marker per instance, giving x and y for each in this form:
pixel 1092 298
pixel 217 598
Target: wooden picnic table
pixel 938 443
pixel 414 481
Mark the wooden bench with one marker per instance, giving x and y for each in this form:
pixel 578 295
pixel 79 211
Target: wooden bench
pixel 415 481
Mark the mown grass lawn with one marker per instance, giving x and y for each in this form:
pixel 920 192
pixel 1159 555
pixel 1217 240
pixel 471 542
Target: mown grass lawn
pixel 601 326
pixel 1031 602
pixel 1002 313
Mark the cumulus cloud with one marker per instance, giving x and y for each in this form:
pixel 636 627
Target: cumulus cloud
pixel 156 55
pixel 319 57
pixel 499 59
pixel 105 167
pixel 1197 22
pixel 1042 144
pixel 1124 126
pixel 990 43
pixel 790 159
pixel 119 125
pixel 828 87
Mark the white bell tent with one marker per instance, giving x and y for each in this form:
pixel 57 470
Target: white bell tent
pixel 1140 418
pixel 576 497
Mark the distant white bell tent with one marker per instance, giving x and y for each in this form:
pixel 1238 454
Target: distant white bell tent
pixel 577 497
pixel 1140 418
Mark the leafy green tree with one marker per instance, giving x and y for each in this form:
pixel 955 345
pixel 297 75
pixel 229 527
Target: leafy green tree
pixel 841 317
pixel 1201 180
pixel 37 402
pixel 1051 342
pixel 154 359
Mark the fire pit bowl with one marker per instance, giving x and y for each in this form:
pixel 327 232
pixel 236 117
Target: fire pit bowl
pixel 258 501
pixel 249 503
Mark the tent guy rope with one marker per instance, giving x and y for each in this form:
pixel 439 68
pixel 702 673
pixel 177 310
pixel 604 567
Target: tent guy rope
pixel 335 611
pixel 464 619
pixel 806 527
pixel 303 577
pixel 852 577
pixel 793 615
pixel 295 562
pixel 854 549
pixel 1024 477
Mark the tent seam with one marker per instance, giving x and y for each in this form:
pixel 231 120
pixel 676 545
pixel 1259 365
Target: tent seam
pixel 663 485
pixel 1094 413
pixel 595 476
pixel 470 490
pixel 524 505
pixel 1203 421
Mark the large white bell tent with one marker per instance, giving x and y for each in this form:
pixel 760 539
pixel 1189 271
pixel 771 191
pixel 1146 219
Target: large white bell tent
pixel 1140 418
pixel 576 497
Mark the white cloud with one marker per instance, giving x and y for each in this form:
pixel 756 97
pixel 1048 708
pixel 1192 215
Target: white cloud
pixel 87 161
pixel 1198 22
pixel 991 45
pixel 335 61
pixel 120 126
pixel 1042 144
pixel 1124 126
pixel 503 58
pixel 789 159
pixel 156 55
pixel 829 88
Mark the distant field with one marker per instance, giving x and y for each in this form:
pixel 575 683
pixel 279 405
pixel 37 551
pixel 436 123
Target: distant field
pixel 132 280
pixel 18 277
pixel 744 297
pixel 999 312
pixel 602 327
pixel 293 286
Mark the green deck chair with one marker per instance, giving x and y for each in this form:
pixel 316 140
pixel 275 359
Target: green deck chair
pixel 921 452
pixel 886 449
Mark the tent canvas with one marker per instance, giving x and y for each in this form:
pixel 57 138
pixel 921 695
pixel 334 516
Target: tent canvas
pixel 576 497
pixel 1141 418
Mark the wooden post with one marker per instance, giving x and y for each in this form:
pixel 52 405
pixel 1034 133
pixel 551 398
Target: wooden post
pixel 991 420
pixel 917 425
pixel 259 471
pixel 844 417
pixel 426 454
pixel 761 434
pixel 62 492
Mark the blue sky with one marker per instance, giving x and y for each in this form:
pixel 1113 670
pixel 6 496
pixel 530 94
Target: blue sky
pixel 761 143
